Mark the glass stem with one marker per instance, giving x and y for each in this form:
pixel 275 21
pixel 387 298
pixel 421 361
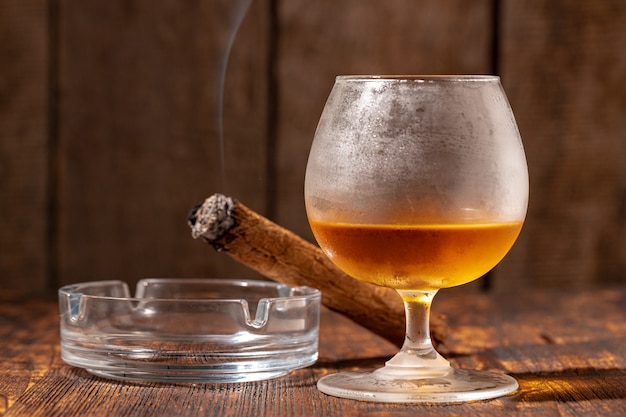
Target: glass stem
pixel 417 357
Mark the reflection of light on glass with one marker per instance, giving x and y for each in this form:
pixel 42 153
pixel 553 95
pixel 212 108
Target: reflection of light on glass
pixel 242 330
pixel 417 202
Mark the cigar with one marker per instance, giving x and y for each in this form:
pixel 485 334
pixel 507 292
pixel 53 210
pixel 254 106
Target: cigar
pixel 283 256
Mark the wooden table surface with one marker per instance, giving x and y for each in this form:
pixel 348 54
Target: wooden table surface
pixel 567 349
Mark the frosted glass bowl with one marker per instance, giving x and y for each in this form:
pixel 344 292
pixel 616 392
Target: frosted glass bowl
pixel 189 330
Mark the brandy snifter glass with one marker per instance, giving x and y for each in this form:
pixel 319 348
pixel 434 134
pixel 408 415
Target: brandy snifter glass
pixel 417 183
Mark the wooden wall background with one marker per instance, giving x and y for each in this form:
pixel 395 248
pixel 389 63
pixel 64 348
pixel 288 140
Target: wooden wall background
pixel 108 124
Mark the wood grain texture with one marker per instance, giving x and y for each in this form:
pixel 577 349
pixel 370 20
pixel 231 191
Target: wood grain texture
pixel 567 363
pixel 24 53
pixel 134 124
pixel 563 65
pixel 139 132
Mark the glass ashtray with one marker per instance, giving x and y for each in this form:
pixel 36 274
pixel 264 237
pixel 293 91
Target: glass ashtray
pixel 189 330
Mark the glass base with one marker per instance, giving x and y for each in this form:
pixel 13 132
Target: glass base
pixel 458 385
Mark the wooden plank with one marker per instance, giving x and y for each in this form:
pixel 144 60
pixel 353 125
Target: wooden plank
pixel 139 137
pixel 562 65
pixel 24 119
pixel 134 88
pixel 319 40
pixel 566 348
pixel 567 363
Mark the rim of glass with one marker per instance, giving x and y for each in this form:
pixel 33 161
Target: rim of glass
pixel 74 290
pixel 419 78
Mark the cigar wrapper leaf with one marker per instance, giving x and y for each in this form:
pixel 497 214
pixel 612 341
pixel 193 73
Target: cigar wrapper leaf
pixel 282 256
